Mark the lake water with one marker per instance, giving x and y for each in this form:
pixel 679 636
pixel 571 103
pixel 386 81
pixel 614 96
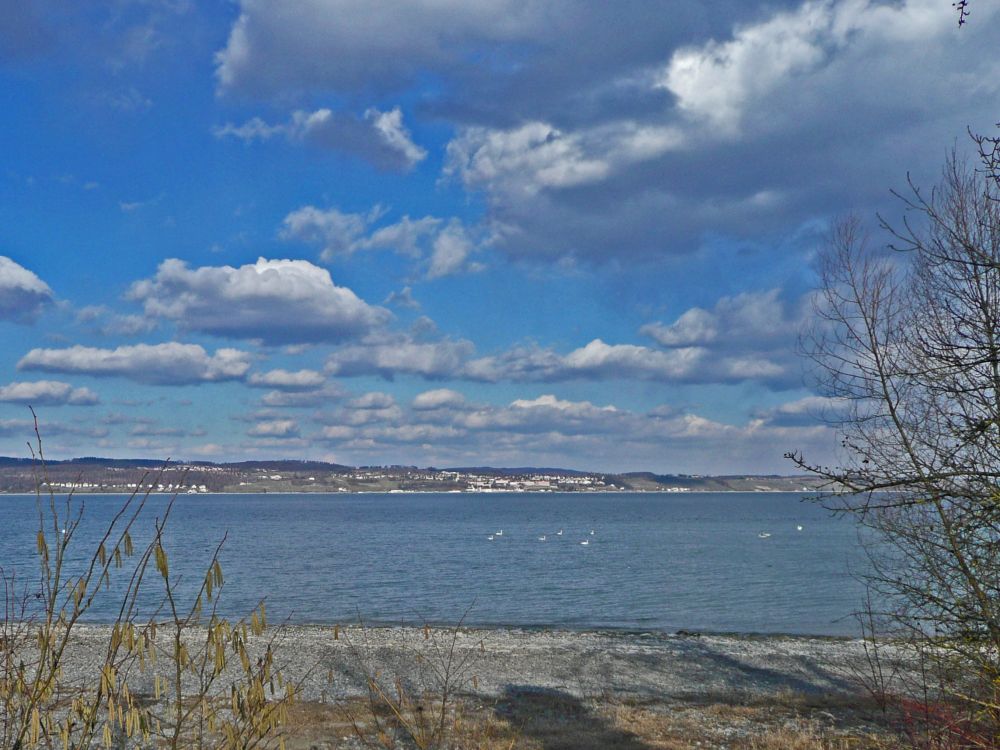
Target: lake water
pixel 655 561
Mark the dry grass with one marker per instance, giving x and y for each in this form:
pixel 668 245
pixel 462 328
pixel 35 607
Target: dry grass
pixel 547 720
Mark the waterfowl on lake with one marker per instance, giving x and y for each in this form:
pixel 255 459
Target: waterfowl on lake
pixel 764 534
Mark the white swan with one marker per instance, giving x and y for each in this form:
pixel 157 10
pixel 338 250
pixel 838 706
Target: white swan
pixel 490 537
pixel 559 533
pixel 764 534
pixel 798 528
pixel 541 538
pixel 585 542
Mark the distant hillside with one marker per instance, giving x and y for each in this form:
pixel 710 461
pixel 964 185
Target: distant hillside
pixel 95 474
pixel 119 463
pixel 648 481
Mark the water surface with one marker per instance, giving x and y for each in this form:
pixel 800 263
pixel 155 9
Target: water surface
pixel 657 561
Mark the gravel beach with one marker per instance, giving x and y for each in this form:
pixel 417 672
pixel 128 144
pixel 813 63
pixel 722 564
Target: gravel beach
pixel 488 662
pixel 553 689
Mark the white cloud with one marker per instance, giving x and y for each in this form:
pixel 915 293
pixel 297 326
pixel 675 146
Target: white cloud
pixel 400 355
pixel 439 398
pixel 521 161
pixel 721 82
pixel 601 361
pixel 108 323
pixel 746 320
pixel 22 294
pixel 414 433
pixel 549 401
pixel 394 135
pixel 285 380
pixel 47 393
pixel 156 364
pixel 337 232
pixel 380 137
pixel 403 298
pixel 276 301
pixel 598 360
pixel 338 432
pixel 275 428
pixel 372 400
pixel 451 250
pixel 303 399
pixel 254 129
pixel 807 411
pixel 444 248
pixel 715 82
pixel 752 334
pixel 391 355
pixel 443 428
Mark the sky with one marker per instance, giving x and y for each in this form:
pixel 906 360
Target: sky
pixel 451 232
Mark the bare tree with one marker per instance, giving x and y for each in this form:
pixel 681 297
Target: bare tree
pixel 909 344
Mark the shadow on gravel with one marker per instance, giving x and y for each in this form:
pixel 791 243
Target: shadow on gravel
pixel 801 674
pixel 559 721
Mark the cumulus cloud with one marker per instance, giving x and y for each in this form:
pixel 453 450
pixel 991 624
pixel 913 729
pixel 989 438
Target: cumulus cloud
pixel 22 294
pixel 400 355
pixel 807 411
pixel 747 328
pixel 598 360
pixel 276 301
pixel 768 94
pixel 443 247
pixel 275 428
pixel 720 82
pixel 285 380
pixel 302 399
pixel 47 393
pixel 749 319
pixel 379 137
pixel 372 400
pixel 451 250
pixel 522 161
pixel 768 360
pixel 155 364
pixel 558 104
pixel 549 401
pixel 108 323
pixel 443 428
pixel 438 398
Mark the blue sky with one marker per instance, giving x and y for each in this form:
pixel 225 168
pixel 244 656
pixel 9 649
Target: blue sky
pixel 443 232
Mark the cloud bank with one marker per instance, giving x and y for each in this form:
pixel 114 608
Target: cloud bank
pixel 153 364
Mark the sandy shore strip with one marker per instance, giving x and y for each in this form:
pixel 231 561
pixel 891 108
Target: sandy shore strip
pixel 491 662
